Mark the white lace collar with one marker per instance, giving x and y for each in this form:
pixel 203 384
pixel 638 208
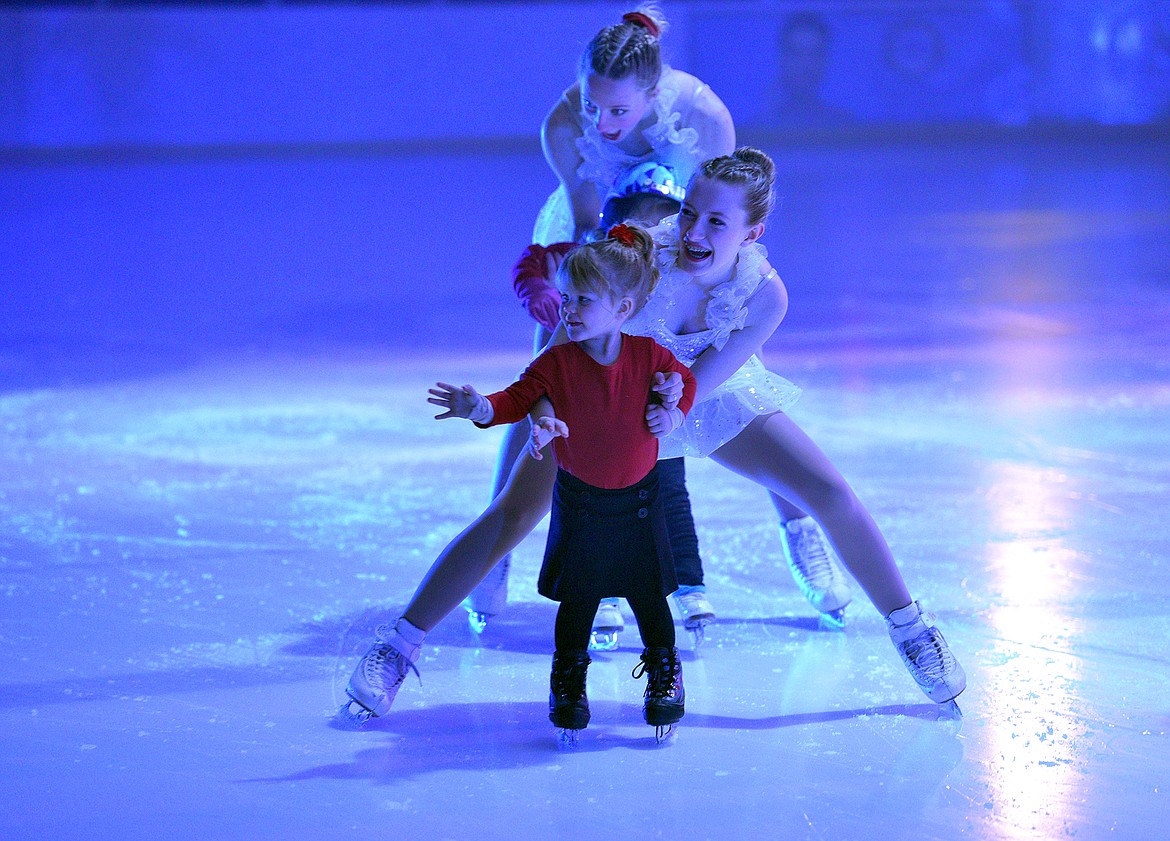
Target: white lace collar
pixel 603 162
pixel 726 312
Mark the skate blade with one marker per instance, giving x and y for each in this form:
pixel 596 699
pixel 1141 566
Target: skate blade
pixel 949 711
pixel 701 620
pixel 665 734
pixel 834 620
pixel 567 738
pixel 603 640
pixel 352 715
pixel 477 621
pixel 697 637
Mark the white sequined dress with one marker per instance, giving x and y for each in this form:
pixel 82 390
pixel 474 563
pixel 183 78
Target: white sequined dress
pixel 604 162
pixel 751 391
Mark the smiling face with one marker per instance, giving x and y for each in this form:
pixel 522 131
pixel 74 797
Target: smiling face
pixel 588 314
pixel 712 227
pixel 615 106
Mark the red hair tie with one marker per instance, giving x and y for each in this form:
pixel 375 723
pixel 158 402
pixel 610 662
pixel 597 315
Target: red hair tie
pixel 623 233
pixel 642 20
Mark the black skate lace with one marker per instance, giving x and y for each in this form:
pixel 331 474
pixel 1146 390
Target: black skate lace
pixel 662 675
pixel 929 655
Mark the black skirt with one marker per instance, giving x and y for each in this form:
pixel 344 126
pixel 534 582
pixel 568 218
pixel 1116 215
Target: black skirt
pixel 605 542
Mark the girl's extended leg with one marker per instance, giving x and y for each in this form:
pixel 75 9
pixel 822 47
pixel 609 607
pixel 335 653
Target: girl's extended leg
pixel 775 453
pixel 512 515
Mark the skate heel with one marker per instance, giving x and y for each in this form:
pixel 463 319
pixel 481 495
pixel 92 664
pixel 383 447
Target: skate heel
pixel 697 613
pixel 604 639
pixel 607 624
pixel 477 622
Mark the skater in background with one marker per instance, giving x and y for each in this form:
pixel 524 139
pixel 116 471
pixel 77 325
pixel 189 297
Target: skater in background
pixel 625 107
pixel 608 530
pixel 718 301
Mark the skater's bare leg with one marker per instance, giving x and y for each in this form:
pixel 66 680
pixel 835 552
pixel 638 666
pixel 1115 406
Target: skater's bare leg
pixel 785 509
pixel 775 453
pixel 512 515
pixel 491 595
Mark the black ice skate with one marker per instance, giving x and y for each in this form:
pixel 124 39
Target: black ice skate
pixel 568 705
pixel 663 702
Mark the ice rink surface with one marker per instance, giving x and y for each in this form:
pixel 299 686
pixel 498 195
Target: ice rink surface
pixel 218 474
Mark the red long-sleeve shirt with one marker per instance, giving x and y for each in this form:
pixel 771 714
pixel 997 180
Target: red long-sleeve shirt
pixel 604 406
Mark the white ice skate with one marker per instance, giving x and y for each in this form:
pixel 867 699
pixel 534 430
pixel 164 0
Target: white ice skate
pixel 488 598
pixel 817 571
pixel 606 625
pixel 378 675
pixel 927 656
pixel 697 613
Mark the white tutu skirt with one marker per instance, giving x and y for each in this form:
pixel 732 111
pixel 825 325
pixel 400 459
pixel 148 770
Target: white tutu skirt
pixel 554 223
pixel 751 391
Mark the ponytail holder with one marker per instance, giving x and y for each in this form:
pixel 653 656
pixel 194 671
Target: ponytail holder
pixel 623 233
pixel 642 20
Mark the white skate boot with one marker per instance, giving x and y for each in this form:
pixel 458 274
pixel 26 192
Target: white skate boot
pixel 926 655
pixel 817 571
pixel 380 672
pixel 697 613
pixel 489 597
pixel 606 625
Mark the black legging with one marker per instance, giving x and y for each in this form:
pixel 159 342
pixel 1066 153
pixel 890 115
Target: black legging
pixel 655 624
pixel 680 525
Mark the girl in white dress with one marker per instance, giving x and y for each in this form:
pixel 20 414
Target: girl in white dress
pixel 718 301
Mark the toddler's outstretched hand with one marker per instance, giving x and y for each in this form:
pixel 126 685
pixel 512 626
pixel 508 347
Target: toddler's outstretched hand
pixel 463 402
pixel 663 421
pixel 668 387
pixel 544 430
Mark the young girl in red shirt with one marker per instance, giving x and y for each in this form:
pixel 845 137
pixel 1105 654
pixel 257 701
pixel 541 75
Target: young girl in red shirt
pixel 607 535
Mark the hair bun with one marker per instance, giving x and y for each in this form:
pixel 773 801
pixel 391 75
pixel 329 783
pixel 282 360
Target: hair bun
pixel 756 158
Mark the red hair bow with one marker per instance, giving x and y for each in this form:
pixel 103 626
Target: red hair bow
pixel 623 233
pixel 642 20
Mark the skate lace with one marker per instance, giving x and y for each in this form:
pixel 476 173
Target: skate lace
pixel 568 679
pixel 811 559
pixel 663 674
pixel 929 655
pixel 385 664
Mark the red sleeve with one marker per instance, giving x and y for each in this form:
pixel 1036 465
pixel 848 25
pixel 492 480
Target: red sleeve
pixel 514 402
pixel 534 288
